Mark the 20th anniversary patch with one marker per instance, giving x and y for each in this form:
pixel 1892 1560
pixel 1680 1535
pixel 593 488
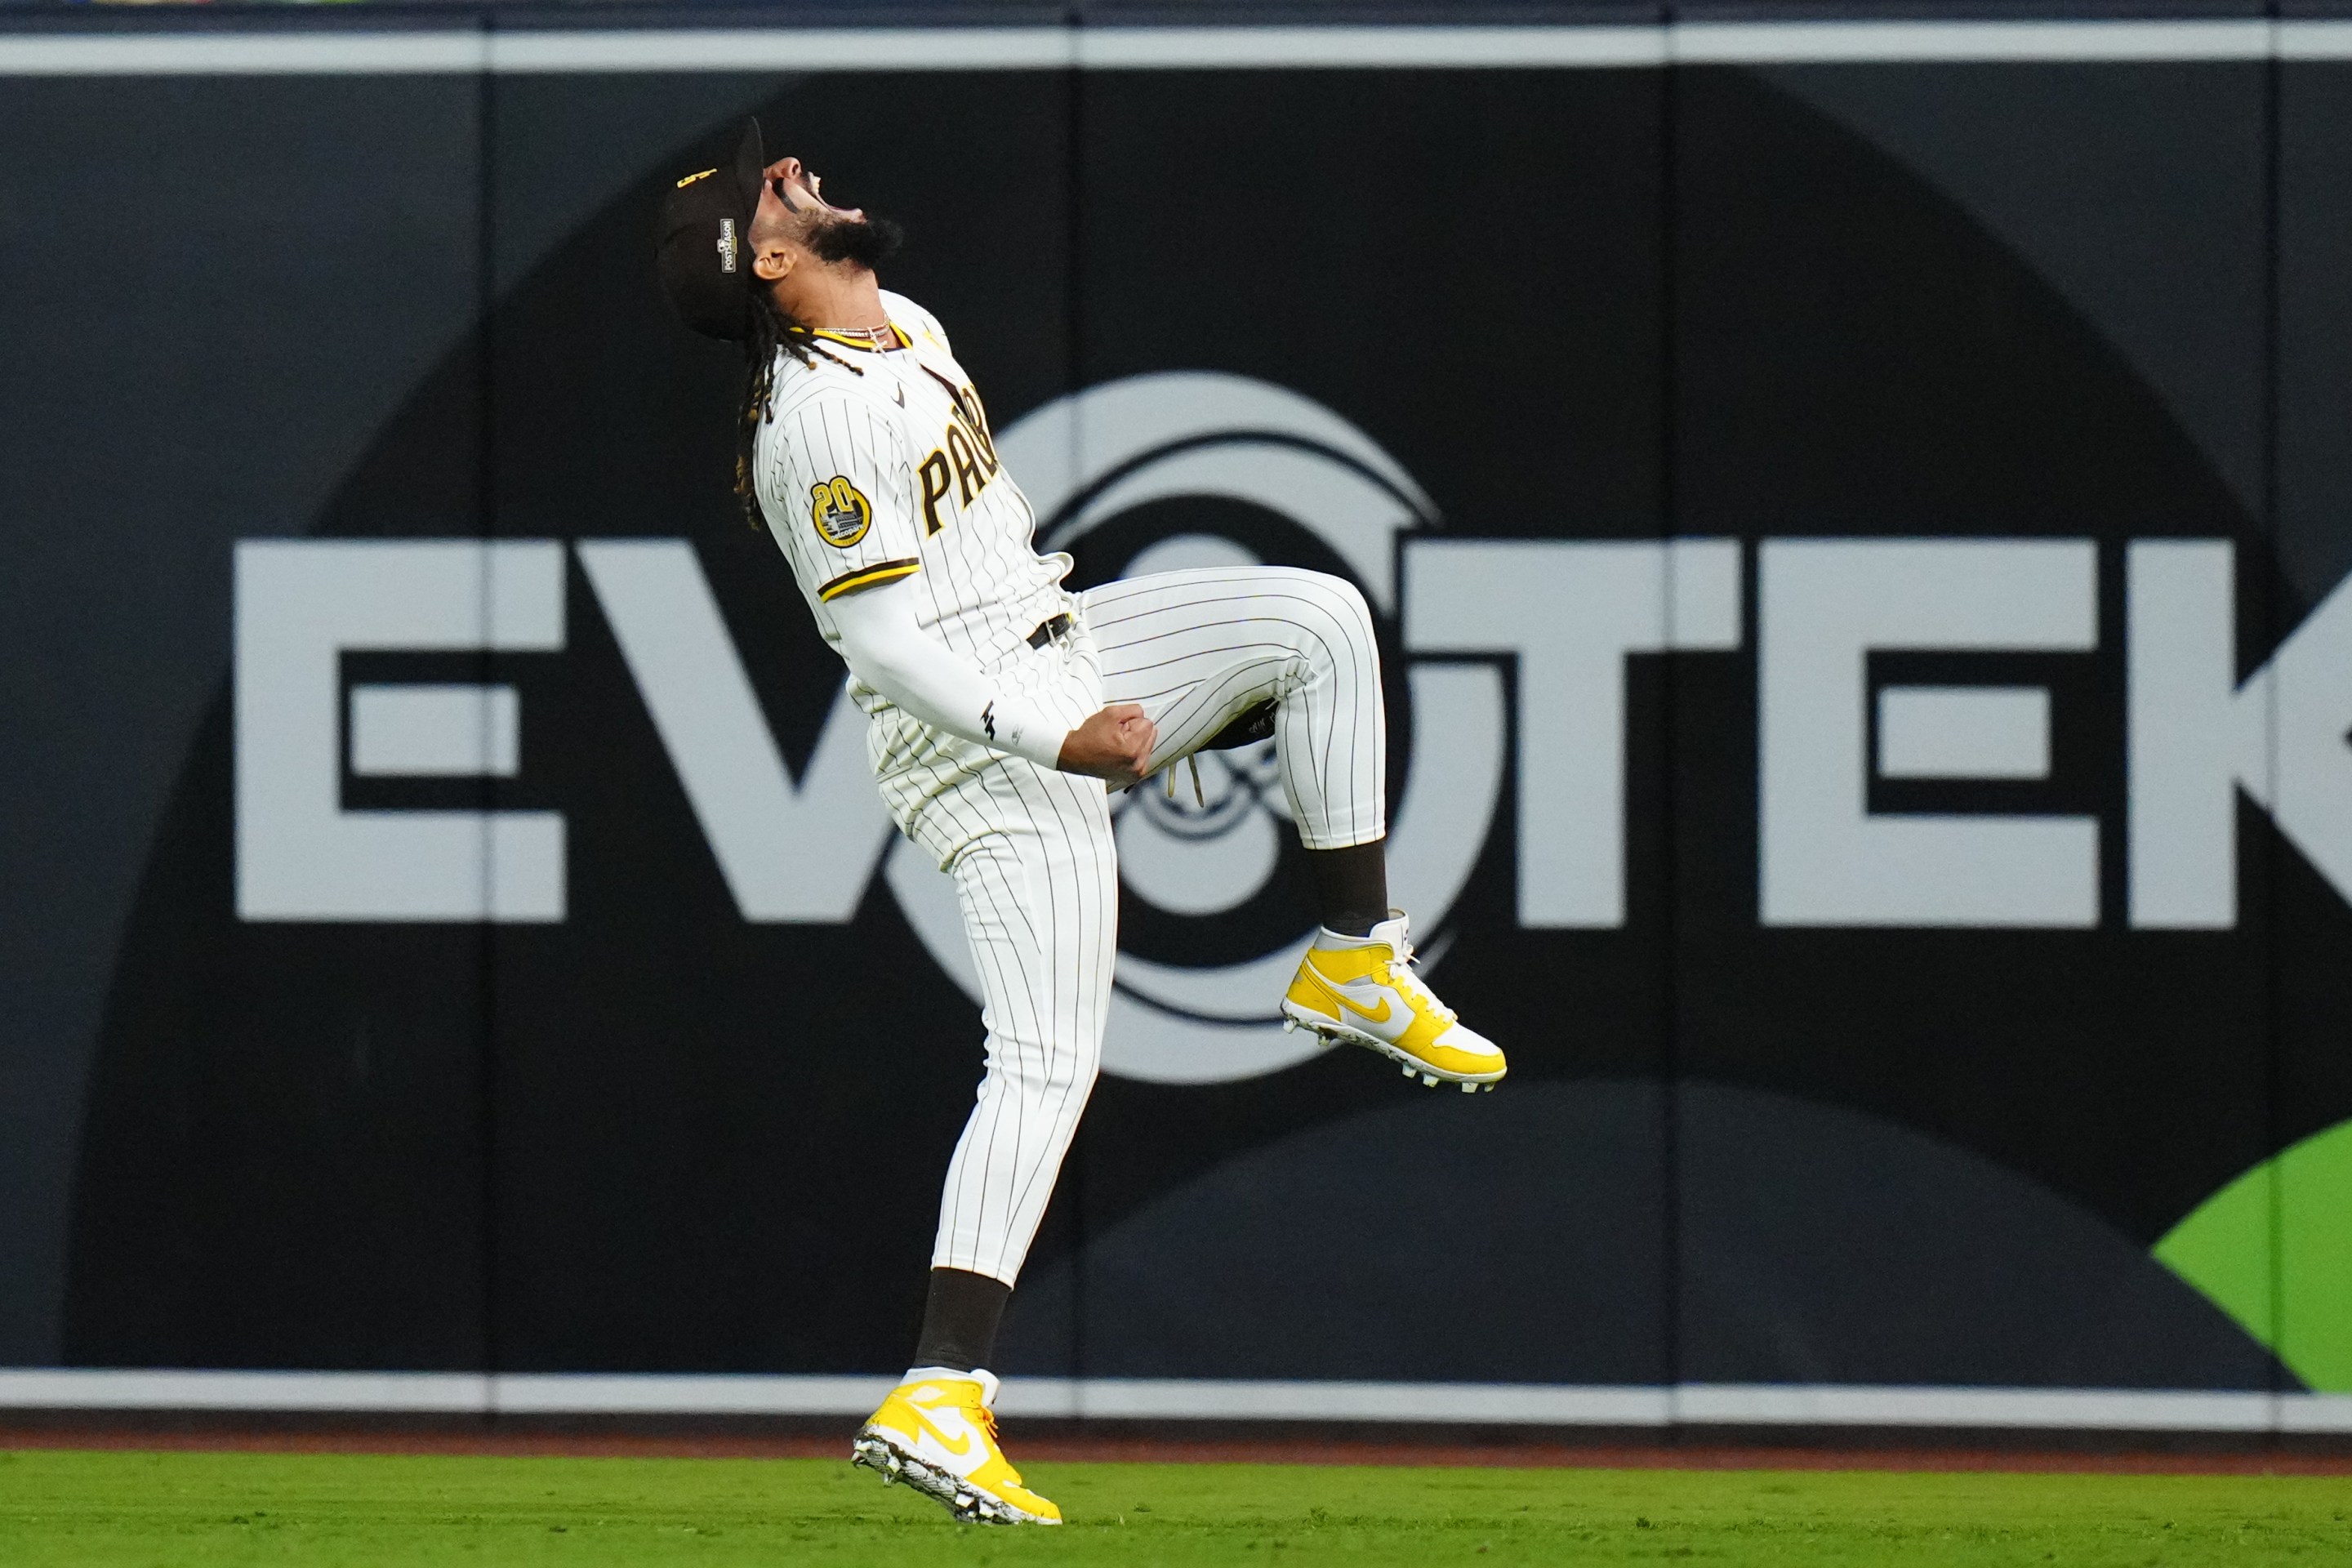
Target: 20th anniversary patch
pixel 841 511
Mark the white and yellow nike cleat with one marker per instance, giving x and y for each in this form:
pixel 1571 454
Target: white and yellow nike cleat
pixel 937 1433
pixel 1364 993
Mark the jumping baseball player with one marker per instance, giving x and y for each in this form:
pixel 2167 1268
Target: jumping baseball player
pixel 1002 707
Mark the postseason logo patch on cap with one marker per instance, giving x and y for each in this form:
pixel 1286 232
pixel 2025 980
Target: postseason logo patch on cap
pixel 706 218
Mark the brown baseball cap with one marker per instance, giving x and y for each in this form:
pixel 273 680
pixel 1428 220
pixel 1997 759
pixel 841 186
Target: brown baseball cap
pixel 704 245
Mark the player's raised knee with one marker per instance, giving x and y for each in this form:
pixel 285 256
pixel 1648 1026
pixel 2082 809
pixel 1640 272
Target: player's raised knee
pixel 1352 606
pixel 1343 597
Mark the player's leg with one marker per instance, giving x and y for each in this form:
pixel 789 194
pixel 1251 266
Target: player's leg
pixel 1198 650
pixel 1039 890
pixel 1040 898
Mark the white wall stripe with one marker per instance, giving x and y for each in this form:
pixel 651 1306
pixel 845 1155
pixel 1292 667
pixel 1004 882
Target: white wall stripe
pixel 576 1393
pixel 684 49
pixel 2314 40
pixel 2315 1413
pixel 1748 1404
pixel 451 51
pixel 1184 1399
pixel 1180 1399
pixel 1834 43
pixel 438 53
pixel 41 1388
pixel 1436 48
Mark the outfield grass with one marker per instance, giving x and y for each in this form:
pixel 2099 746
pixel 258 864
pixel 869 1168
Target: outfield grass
pixel 194 1510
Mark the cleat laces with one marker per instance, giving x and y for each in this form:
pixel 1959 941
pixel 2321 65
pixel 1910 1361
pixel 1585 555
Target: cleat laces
pixel 987 1423
pixel 1397 972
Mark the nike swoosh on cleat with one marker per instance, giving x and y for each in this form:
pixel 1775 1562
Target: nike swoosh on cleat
pixel 959 1446
pixel 1334 987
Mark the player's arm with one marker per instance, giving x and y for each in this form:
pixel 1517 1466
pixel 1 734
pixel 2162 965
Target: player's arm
pixel 839 498
pixel 843 513
pixel 886 649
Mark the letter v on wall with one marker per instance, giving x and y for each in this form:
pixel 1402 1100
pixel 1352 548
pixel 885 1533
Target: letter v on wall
pixel 789 851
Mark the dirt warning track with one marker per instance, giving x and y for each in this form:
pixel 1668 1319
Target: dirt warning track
pixel 518 1442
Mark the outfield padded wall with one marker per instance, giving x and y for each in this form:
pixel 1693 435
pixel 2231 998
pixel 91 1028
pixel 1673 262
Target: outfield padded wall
pixel 1831 1065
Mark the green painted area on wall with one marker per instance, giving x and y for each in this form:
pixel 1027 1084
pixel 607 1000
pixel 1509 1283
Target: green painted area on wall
pixel 2274 1249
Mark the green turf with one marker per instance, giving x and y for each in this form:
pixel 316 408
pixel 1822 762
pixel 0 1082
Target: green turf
pixel 194 1510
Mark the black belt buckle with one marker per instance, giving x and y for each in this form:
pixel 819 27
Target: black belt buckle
pixel 1048 629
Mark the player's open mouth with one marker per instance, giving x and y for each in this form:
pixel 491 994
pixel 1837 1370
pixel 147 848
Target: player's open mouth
pixel 808 190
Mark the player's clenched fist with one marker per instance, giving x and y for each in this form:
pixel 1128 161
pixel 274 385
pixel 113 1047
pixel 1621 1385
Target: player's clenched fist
pixel 1115 745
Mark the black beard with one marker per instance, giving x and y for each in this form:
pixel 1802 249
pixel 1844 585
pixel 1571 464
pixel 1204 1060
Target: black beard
pixel 865 242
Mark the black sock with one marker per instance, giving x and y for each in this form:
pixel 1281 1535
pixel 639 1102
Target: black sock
pixel 1352 887
pixel 960 1319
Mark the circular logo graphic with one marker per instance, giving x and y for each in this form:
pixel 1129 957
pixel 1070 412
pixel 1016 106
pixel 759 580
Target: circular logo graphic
pixel 841 511
pixel 1199 844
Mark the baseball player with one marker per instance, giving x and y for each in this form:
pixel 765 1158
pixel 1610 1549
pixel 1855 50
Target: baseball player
pixel 1001 709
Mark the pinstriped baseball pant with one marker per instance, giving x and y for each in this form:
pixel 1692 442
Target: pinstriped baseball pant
pixel 1196 649
pixel 1038 882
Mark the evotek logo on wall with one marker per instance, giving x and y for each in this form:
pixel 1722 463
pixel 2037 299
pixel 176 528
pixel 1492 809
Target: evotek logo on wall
pixel 1568 614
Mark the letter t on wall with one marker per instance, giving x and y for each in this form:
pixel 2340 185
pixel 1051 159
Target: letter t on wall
pixel 1571 612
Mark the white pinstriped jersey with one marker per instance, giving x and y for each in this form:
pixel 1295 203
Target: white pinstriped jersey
pixel 879 464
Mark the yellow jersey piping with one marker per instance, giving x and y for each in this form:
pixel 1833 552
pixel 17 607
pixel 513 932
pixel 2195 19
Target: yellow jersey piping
pixel 866 576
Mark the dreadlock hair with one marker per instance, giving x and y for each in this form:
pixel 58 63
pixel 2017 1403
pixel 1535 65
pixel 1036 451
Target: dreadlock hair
pixel 774 331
